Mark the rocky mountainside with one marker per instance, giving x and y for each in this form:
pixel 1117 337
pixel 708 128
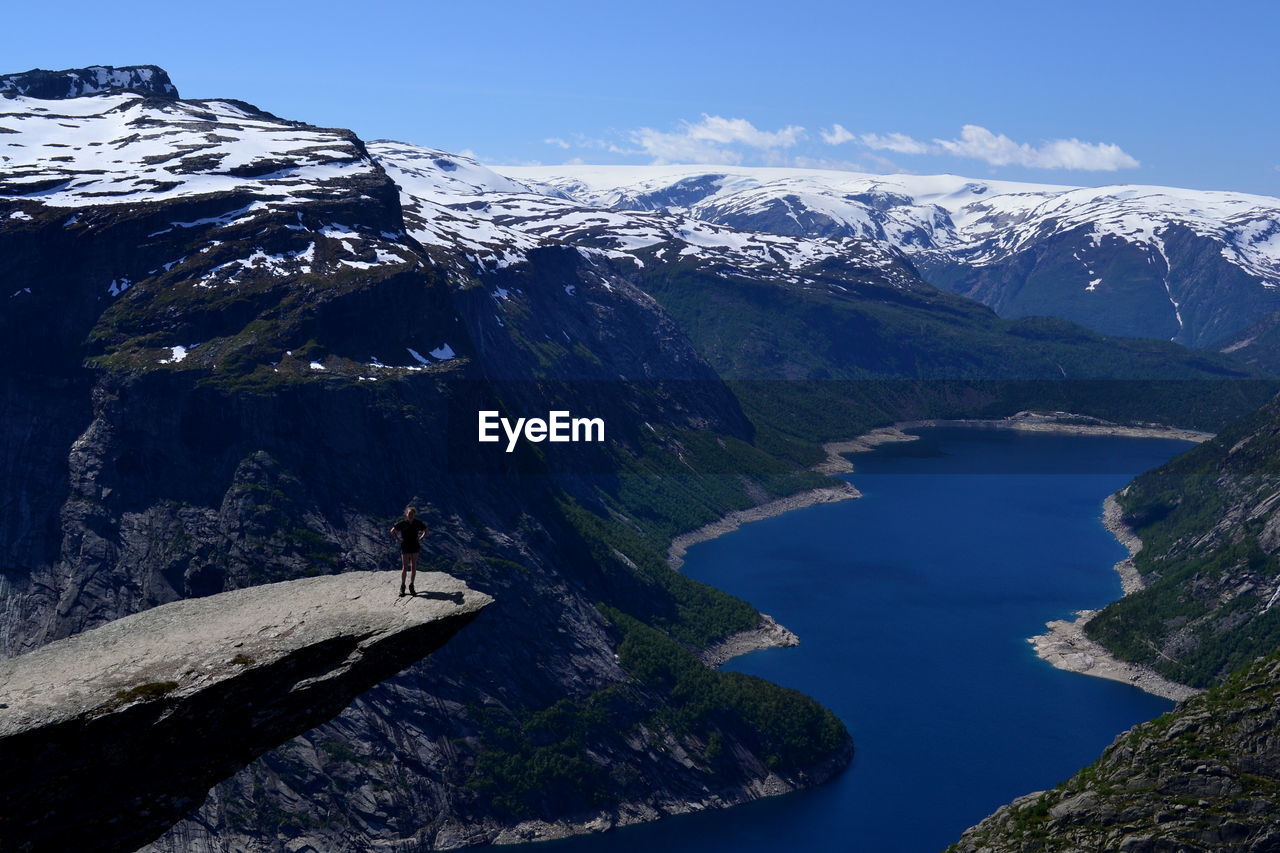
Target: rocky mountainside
pixel 227 362
pixel 1210 524
pixel 186 693
pixel 1258 345
pixel 1159 262
pixel 1204 777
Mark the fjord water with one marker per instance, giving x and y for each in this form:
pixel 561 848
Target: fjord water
pixel 913 605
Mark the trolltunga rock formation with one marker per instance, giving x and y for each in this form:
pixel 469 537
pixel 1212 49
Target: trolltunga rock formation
pixel 111 736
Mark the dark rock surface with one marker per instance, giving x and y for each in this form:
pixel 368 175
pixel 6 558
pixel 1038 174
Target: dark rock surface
pixel 133 722
pixel 93 80
pixel 1204 777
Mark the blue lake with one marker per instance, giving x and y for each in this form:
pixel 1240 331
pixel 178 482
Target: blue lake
pixel 913 606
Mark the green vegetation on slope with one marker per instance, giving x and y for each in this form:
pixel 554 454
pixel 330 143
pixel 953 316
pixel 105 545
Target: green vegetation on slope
pixel 1209 556
pixel 828 360
pixel 539 764
pixel 1204 776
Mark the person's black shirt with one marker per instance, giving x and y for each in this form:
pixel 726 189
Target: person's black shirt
pixel 409 532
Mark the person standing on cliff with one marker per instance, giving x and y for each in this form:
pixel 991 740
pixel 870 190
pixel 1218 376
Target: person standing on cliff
pixel 409 531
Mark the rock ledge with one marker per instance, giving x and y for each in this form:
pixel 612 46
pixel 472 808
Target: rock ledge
pixel 120 731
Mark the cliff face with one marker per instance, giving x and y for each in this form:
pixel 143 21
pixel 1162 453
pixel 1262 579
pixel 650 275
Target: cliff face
pixel 142 716
pixel 226 363
pixel 1204 777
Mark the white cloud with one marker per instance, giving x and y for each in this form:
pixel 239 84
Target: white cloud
pixel 837 135
pixel 978 143
pixel 681 148
pixel 735 141
pixel 710 140
pixel 739 130
pixel 999 150
pixel 897 142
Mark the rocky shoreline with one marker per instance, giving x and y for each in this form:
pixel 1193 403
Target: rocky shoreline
pixel 836 463
pixel 1113 520
pixel 629 814
pixel 1066 423
pixel 737 518
pixel 768 634
pixel 1065 645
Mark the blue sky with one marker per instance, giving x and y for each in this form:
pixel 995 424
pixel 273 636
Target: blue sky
pixel 1079 93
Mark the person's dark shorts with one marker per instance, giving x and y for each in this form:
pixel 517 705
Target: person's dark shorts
pixel 410 547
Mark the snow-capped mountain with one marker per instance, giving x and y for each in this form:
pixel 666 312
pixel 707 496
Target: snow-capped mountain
pixel 93 80
pixel 456 203
pixel 125 148
pixel 1189 265
pixel 846 303
pixel 212 203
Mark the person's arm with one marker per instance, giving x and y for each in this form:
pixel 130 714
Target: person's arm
pixel 422 534
pixel 395 534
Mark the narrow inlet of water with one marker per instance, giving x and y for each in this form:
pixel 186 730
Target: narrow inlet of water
pixel 913 606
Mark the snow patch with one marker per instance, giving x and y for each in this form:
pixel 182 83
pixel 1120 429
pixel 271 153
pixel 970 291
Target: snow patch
pixel 177 354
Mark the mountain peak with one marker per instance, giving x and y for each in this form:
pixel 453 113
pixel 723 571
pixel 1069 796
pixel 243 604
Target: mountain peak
pixel 91 80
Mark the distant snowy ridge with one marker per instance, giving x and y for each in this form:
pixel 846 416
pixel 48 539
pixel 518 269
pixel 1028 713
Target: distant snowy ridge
pixel 978 220
pixel 456 203
pixel 94 80
pixel 1195 266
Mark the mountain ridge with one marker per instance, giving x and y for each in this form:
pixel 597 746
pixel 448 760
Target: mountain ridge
pixel 1106 257
pixel 91 80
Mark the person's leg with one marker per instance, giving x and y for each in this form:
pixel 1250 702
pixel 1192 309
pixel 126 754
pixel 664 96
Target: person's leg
pixel 413 571
pixel 404 569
